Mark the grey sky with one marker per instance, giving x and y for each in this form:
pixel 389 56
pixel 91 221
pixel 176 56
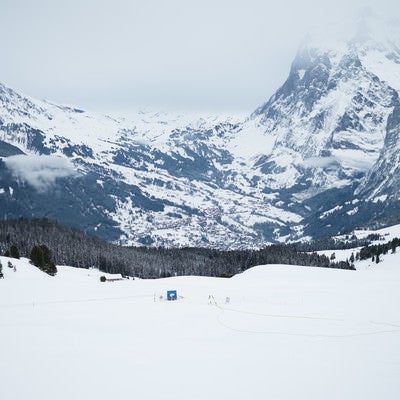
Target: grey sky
pixel 113 55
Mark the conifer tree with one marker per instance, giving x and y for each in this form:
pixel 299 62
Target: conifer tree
pixel 41 257
pixel 14 252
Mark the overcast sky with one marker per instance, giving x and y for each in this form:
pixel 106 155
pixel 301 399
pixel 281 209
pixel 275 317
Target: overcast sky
pixel 206 55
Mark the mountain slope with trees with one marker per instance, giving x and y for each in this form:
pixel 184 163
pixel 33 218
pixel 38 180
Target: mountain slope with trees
pixel 71 247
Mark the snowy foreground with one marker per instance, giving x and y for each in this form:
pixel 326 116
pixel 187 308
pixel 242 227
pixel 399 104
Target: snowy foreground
pixel 287 333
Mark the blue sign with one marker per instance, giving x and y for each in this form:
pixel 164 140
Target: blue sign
pixel 171 295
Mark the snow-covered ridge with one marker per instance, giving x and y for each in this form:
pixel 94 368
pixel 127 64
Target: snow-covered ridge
pixel 386 234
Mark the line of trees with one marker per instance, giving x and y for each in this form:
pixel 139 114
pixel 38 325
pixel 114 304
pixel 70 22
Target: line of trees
pixel 375 251
pixel 71 247
pixel 330 243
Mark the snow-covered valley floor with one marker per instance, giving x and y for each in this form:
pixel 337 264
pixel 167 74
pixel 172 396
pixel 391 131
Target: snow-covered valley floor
pixel 287 333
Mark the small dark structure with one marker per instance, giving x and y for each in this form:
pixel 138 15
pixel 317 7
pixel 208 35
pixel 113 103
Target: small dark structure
pixel 172 295
pixel 104 279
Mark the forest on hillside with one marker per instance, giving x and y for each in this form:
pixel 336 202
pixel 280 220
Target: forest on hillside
pixel 77 249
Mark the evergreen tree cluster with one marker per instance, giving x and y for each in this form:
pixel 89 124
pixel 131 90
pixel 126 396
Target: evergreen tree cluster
pixel 375 251
pixel 12 252
pixel 71 247
pixel 1 271
pixel 41 257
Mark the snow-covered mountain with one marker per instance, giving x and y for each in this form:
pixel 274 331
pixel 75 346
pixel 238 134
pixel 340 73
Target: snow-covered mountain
pixel 319 157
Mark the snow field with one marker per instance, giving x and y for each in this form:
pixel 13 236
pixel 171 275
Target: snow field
pixel 287 332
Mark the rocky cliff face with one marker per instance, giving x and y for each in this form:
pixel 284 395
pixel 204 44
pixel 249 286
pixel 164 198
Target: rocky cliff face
pixel 383 179
pixel 329 117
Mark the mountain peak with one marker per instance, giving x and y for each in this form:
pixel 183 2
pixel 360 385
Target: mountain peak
pixel 368 30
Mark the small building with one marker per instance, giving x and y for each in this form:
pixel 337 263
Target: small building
pixel 172 295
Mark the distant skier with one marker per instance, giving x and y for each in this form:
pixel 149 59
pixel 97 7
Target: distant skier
pixel 211 300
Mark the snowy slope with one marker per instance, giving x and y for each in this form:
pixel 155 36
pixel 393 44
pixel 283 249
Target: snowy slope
pixel 382 236
pixel 288 332
pixel 386 234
